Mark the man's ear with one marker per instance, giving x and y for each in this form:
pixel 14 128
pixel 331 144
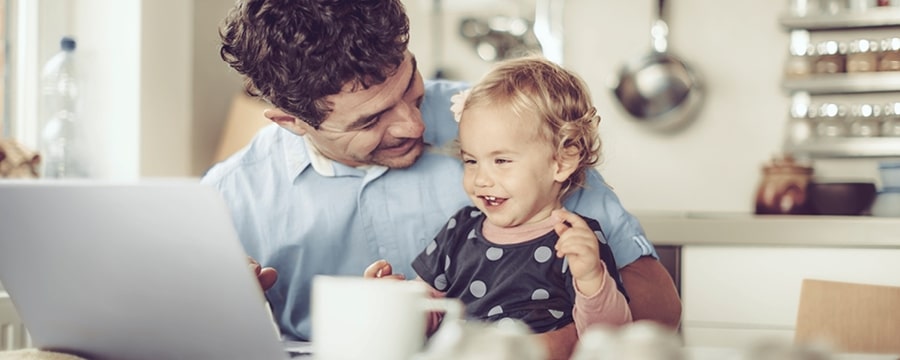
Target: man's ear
pixel 287 121
pixel 566 162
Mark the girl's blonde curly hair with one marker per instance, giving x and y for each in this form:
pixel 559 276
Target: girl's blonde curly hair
pixel 533 85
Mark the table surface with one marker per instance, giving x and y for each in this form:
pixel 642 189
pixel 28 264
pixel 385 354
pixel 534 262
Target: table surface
pixel 715 353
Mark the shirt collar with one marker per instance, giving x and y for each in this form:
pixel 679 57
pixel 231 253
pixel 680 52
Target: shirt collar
pixel 300 154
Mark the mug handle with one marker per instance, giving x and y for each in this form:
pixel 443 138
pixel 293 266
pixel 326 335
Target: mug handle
pixel 450 330
pixel 451 307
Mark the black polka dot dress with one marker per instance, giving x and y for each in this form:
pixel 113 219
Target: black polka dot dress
pixel 524 281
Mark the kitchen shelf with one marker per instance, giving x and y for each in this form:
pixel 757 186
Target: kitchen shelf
pixel 848 147
pixel 864 82
pixel 876 17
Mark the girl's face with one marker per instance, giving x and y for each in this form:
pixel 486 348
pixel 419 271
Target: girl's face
pixel 510 172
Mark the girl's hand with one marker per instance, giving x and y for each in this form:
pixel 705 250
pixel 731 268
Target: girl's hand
pixel 381 269
pixel 578 243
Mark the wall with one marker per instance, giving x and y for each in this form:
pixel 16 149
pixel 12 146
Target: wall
pixel 215 83
pixel 109 61
pixel 714 165
pixel 711 166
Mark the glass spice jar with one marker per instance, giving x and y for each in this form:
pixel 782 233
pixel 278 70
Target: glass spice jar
pixel 890 55
pixel 862 56
pixel 799 61
pixel 800 55
pixel 865 120
pixel 831 7
pixel 831 57
pixel 830 119
pixel 861 5
pixel 799 128
pixel 890 123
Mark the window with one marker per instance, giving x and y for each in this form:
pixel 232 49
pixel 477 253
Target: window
pixel 27 45
pixel 4 72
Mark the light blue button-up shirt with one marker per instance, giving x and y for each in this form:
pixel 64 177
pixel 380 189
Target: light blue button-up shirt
pixel 303 223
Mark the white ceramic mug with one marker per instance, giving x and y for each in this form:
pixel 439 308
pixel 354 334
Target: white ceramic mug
pixel 373 319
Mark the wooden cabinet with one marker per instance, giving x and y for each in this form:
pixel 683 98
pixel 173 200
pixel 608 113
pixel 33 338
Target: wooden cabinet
pixel 738 295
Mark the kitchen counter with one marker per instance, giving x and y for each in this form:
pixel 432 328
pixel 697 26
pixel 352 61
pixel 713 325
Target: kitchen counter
pixel 743 229
pixel 740 275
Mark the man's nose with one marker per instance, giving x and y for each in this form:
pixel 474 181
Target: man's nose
pixel 407 122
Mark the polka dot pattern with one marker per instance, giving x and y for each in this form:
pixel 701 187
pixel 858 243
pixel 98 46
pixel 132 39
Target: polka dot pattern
pixel 474 261
pixel 440 282
pixel 506 322
pixel 540 294
pixel 493 253
pixel 542 254
pixel 600 237
pixel 477 288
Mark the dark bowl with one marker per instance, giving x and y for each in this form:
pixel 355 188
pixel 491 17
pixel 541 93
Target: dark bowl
pixel 841 198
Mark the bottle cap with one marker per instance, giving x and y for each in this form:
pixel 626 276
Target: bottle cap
pixel 67 43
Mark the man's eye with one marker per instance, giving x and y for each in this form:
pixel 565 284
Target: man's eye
pixel 501 161
pixel 469 161
pixel 370 124
pixel 419 101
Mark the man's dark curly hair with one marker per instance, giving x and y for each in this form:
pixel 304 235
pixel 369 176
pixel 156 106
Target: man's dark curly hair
pixel 294 53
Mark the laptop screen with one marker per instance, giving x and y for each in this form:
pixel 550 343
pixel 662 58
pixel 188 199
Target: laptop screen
pixel 144 270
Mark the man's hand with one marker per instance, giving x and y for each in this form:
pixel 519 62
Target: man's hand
pixel 381 269
pixel 265 275
pixel 578 243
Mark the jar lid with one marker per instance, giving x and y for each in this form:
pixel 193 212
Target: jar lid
pixel 787 163
pixel 892 109
pixel 831 110
pixel 831 47
pixel 891 44
pixel 804 50
pixel 863 46
pixel 865 111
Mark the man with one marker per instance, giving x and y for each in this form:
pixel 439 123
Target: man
pixel 347 175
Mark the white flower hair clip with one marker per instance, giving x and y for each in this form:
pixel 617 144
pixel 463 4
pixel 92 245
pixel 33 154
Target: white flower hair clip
pixel 459 103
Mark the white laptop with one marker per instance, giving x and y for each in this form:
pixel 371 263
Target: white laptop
pixel 146 270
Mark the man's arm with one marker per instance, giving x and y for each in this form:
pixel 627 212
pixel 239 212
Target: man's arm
pixel 560 343
pixel 652 292
pixel 653 297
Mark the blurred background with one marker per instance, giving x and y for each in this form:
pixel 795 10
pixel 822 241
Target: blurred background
pixel 158 97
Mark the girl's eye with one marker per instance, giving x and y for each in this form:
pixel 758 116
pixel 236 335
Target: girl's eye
pixel 468 161
pixel 501 161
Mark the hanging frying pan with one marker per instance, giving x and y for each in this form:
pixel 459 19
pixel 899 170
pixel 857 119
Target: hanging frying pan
pixel 659 89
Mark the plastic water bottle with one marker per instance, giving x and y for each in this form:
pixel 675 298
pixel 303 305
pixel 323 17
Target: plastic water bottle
pixel 63 144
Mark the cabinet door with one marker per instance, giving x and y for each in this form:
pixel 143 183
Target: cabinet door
pixel 735 296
